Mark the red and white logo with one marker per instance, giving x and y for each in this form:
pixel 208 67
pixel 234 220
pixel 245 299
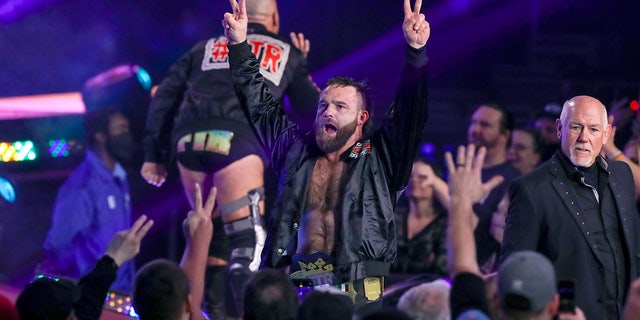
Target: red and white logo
pixel 272 54
pixel 360 149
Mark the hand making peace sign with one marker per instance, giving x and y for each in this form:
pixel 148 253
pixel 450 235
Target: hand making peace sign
pixel 197 226
pixel 235 23
pixel 415 27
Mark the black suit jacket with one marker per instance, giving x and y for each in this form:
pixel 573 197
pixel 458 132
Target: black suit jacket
pixel 544 215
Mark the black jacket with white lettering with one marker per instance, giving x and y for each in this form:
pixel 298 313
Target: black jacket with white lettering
pixel 198 87
pixel 378 169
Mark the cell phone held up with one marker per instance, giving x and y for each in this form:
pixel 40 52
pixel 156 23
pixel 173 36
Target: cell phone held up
pixel 566 291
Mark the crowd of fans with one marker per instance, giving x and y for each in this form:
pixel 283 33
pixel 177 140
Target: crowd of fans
pixel 437 226
pixel 451 222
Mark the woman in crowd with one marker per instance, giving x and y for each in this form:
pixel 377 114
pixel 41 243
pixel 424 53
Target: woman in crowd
pixel 421 222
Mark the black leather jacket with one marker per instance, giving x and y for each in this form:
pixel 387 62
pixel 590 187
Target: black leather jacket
pixel 378 169
pixel 198 87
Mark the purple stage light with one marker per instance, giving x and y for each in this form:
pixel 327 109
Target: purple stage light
pixel 12 10
pixel 454 39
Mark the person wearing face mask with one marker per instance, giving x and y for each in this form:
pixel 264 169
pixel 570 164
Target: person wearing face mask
pixel 93 204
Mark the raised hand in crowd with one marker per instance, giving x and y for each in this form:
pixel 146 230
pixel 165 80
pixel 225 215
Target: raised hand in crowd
pixel 126 244
pixel 465 189
pixel 94 286
pixel 198 230
pixel 300 42
pixel 198 226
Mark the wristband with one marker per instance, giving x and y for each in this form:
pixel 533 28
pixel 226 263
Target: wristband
pixel 615 156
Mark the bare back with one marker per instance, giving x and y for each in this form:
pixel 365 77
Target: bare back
pixel 317 228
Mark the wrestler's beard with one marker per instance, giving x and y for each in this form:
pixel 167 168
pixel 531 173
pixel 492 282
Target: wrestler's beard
pixel 333 144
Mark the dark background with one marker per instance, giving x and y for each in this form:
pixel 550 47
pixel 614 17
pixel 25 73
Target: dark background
pixel 522 54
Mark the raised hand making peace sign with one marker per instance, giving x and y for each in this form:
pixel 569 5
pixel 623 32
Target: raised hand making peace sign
pixel 235 23
pixel 415 27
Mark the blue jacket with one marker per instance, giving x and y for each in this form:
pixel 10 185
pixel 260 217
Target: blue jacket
pixel 91 206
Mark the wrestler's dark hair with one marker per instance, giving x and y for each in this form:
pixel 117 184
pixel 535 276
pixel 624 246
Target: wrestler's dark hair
pixel 270 295
pixel 160 290
pixel 97 120
pixel 362 88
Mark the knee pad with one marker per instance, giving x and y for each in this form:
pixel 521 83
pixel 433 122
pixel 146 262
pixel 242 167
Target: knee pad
pixel 243 245
pixel 246 236
pixel 246 240
pixel 243 252
pixel 219 245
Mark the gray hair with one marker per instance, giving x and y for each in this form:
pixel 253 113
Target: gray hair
pixel 427 301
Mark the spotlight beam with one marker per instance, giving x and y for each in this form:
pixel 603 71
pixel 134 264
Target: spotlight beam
pixel 454 42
